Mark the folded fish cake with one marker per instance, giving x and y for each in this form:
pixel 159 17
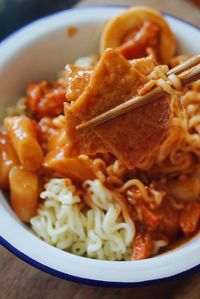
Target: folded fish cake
pixel 77 78
pixel 80 142
pixel 138 30
pixel 87 142
pixel 131 136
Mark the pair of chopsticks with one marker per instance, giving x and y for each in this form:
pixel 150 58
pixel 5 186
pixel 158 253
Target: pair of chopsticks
pixel 187 72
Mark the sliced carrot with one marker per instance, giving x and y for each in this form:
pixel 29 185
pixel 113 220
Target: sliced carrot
pixel 150 219
pixel 142 246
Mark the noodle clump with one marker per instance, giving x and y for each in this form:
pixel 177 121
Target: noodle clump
pixel 98 232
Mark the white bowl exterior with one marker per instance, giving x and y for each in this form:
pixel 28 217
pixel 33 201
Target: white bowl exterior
pixel 37 52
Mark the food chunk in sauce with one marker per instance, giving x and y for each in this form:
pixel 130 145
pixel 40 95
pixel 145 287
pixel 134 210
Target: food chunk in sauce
pixel 82 142
pixel 145 65
pixel 136 46
pixel 77 78
pixel 77 169
pixel 45 99
pixel 131 136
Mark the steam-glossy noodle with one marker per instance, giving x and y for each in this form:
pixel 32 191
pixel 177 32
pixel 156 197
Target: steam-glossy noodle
pixel 98 232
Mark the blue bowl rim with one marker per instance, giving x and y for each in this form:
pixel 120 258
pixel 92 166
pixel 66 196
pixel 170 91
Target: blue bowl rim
pixel 90 282
pixel 65 276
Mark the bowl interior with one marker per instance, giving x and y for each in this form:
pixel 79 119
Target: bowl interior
pixel 38 52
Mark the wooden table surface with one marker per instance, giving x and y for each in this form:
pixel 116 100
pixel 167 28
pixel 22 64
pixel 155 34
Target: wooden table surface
pixel 21 281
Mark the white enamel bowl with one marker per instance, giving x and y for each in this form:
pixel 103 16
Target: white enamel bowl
pixel 37 52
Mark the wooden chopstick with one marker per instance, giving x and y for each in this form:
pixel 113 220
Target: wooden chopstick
pixel 189 63
pixel 190 75
pixel 187 72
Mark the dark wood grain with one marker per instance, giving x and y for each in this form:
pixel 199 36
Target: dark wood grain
pixel 189 290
